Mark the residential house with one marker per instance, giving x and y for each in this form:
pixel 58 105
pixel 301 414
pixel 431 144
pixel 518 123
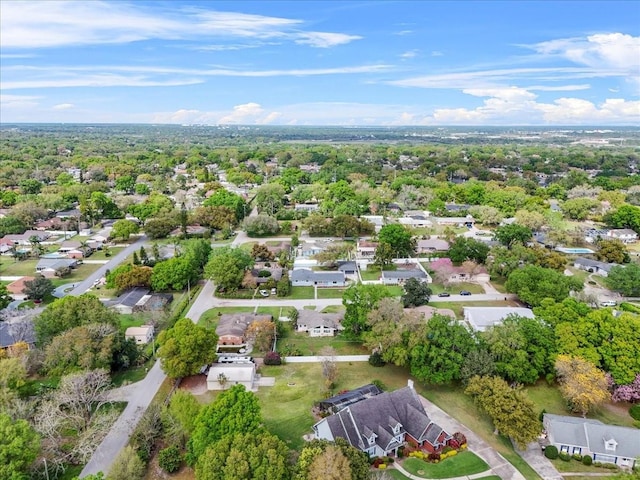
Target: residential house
pixel 281 247
pixel 47 267
pixel 319 324
pixel 14 332
pixel 142 335
pixel 24 239
pixel 625 235
pixel 232 327
pixel 304 277
pixel 483 318
pixel 125 303
pixel 467 221
pixel 585 436
pixel 348 267
pixel 311 248
pixel 593 266
pixel 366 249
pixel 16 287
pixel 399 277
pixel 451 273
pixel 276 273
pixel 432 245
pixel 225 375
pixel 415 221
pixel 377 220
pixel 192 231
pixel 73 213
pixel 381 424
pixel 306 207
pixel 456 207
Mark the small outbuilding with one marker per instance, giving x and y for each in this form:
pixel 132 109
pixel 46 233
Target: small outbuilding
pixel 222 376
pixel 142 335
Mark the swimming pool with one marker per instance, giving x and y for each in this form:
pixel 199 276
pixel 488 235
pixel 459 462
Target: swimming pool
pixel 574 250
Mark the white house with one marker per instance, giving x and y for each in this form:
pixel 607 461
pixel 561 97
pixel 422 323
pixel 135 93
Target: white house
pixel 483 318
pixel 318 324
pixel 377 220
pixel 625 235
pixel 366 249
pixel 142 335
pixel 432 245
pixel 593 266
pixel 225 375
pixel 399 277
pixel 584 436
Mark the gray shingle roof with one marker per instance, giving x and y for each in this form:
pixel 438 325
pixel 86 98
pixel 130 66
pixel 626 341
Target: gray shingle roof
pixel 403 274
pixel 306 275
pixel 587 262
pixel 592 434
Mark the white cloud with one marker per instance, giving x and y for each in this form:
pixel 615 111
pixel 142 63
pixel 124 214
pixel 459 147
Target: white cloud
pixel 559 88
pixel 409 54
pixel 64 106
pixel 605 50
pixel 22 77
pixel 62 23
pixel 437 53
pixel 18 101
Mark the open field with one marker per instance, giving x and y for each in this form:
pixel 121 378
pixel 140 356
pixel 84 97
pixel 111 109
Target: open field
pixel 307 345
pixel 286 407
pixel 464 463
pixel 13 268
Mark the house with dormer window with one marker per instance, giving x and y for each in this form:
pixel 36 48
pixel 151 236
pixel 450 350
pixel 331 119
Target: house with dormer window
pixel 381 424
pixel 584 436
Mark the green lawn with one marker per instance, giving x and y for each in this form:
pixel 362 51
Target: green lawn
pixel 247 246
pixel 452 400
pixel 133 374
pixel 209 318
pixel 77 274
pixel 275 312
pixel 464 463
pixel 301 293
pixel 548 397
pixel 576 466
pixel 333 309
pixel 490 477
pixel 287 409
pixel 456 287
pixel 330 292
pixel 395 290
pixel 313 345
pixel 11 268
pixel 371 273
pixel 127 321
pixel 458 306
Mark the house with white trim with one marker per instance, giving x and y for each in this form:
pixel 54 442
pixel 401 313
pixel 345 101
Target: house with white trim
pixel 625 235
pixel 584 436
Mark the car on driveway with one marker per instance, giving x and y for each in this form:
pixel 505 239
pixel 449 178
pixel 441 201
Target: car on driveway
pixel 444 294
pixel 465 293
pixel 264 293
pixel 608 303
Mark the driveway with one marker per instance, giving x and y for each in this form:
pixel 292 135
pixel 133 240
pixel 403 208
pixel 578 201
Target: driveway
pixel 497 463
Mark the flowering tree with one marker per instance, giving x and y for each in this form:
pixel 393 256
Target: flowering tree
pixel 627 393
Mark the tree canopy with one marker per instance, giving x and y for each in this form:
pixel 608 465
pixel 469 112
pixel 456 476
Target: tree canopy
pixel 399 238
pixel 19 446
pixel 185 348
pixel 533 284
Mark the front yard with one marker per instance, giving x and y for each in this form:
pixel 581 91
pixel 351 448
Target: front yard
pixel 457 307
pixel 465 463
pixel 302 344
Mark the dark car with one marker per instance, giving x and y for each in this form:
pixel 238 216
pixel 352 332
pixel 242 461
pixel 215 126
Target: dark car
pixel 465 293
pixel 444 294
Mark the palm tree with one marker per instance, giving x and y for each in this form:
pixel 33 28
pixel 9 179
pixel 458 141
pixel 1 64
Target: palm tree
pixel 36 248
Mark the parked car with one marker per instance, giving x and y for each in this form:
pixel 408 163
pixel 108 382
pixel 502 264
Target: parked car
pixel 264 293
pixel 273 291
pixel 444 294
pixel 465 293
pixel 608 303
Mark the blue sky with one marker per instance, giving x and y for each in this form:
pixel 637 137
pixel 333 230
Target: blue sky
pixel 321 63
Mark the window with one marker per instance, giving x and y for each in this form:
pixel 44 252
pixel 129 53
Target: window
pixel 610 445
pixel 577 450
pixel 564 448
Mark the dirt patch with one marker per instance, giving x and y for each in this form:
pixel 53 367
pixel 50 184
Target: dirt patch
pixel 621 408
pixel 196 384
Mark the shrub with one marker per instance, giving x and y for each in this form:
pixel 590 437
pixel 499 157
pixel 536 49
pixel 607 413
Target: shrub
pixel 382 466
pixel 565 457
pixel 272 358
pixel 634 411
pixel 433 457
pixel 551 452
pixel 587 460
pixel 375 360
pixel 170 459
pixel 577 456
pixel 460 438
pixel 446 449
pixel 264 273
pixel 380 385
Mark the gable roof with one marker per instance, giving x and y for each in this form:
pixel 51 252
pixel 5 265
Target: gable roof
pixel 433 243
pixel 55 263
pixel 306 275
pixel 377 415
pixel 592 434
pixel 587 262
pixel 8 336
pixel 312 319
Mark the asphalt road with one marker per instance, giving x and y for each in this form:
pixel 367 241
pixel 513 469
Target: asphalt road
pixel 117 259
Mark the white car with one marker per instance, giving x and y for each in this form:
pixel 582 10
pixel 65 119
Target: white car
pixel 264 293
pixel 608 303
